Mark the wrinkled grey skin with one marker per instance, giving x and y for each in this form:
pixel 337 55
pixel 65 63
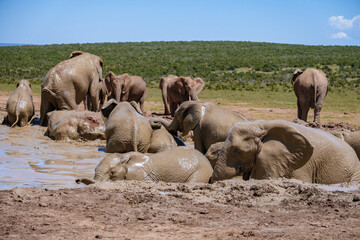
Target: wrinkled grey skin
pixel 20 106
pixel 209 122
pixel 66 85
pixel 213 152
pixel 352 138
pixel 75 125
pixel 161 140
pixel 310 88
pixel 126 88
pixel 126 128
pixel 278 148
pixel 176 90
pixel 179 164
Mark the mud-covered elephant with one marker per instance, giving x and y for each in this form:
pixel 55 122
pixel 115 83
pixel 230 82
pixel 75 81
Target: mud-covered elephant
pixel 179 164
pixel 310 87
pixel 75 125
pixel 20 107
pixel 176 90
pixel 352 138
pixel 66 85
pixel 128 130
pixel 278 148
pixel 126 88
pixel 209 122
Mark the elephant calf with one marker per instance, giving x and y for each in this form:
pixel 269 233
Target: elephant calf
pixel 20 106
pixel 75 125
pixel 175 165
pixel 278 148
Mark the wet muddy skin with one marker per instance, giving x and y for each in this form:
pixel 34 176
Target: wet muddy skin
pixel 28 158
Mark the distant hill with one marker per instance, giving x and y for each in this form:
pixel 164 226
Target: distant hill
pixel 221 64
pixel 11 44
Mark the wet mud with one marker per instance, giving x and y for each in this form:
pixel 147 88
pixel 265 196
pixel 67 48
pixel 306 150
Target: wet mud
pixel 28 158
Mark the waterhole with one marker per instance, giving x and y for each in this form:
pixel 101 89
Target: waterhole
pixel 30 159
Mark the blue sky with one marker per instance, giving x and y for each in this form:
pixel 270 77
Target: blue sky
pixel 310 22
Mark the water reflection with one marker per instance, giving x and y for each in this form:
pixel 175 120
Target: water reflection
pixel 28 158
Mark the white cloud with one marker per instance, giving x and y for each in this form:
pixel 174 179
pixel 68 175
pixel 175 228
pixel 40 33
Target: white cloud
pixel 342 23
pixel 340 35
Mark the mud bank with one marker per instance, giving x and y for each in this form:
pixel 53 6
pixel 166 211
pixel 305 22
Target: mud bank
pixel 233 209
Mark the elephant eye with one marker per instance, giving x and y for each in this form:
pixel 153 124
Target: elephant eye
pixel 112 172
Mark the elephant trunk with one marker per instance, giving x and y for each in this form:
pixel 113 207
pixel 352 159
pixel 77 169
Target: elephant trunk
pixel 117 93
pixel 222 171
pixel 172 127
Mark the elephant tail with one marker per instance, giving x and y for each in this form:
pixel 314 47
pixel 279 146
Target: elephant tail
pixel 16 112
pixel 313 102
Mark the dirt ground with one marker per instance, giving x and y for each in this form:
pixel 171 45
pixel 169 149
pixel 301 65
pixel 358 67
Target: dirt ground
pixel 232 209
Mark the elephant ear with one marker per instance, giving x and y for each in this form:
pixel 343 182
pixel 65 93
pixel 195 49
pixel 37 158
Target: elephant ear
pixel 191 116
pixel 127 83
pixel 75 54
pixel 108 107
pixel 283 150
pixel 296 73
pixel 200 84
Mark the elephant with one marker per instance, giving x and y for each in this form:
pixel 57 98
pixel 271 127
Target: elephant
pixel 126 88
pixel 279 148
pixel 128 130
pixel 176 90
pixel 66 85
pixel 179 164
pixel 213 152
pixel 209 122
pixel 20 106
pixel 310 87
pixel 352 138
pixel 75 125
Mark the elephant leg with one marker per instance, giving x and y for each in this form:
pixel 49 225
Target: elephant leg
pixel 94 97
pixel 45 107
pixel 141 102
pixel 304 106
pixel 299 114
pixel 173 106
pixel 198 142
pixel 86 102
pixel 317 109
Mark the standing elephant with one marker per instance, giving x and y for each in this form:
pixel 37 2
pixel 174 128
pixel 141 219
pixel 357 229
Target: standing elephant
pixel 66 85
pixel 210 123
pixel 278 148
pixel 310 88
pixel 175 165
pixel 128 130
pixel 20 106
pixel 176 90
pixel 126 88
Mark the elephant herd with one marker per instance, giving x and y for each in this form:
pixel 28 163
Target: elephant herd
pixel 226 144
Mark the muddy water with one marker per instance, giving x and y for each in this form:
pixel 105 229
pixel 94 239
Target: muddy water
pixel 28 158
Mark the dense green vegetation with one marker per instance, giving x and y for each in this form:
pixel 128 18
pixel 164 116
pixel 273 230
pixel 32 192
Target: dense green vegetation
pixel 222 65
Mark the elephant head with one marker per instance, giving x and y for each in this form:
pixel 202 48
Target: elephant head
pixel 118 86
pixel 262 149
pixel 25 84
pixel 112 103
pixel 112 167
pixel 186 118
pixel 296 73
pixel 192 87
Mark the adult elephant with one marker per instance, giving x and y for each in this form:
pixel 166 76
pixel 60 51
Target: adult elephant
pixel 20 106
pixel 128 130
pixel 310 87
pixel 126 88
pixel 176 90
pixel 66 85
pixel 210 123
pixel 278 148
pixel 175 165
